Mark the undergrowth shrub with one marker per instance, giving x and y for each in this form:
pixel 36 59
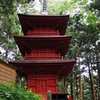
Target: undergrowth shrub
pixel 17 93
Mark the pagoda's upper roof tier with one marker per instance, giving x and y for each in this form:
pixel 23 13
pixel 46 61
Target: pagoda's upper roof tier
pixel 28 43
pixel 31 22
pixel 42 67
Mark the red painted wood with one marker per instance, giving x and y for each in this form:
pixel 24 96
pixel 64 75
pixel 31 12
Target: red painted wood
pixel 30 22
pixel 42 83
pixel 57 43
pixel 43 31
pixel 69 97
pixel 42 54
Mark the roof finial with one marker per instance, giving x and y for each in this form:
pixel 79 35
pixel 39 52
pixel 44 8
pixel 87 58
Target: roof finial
pixel 44 12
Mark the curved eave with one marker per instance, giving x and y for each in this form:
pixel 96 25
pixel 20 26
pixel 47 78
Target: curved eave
pixel 55 22
pixel 54 67
pixel 57 43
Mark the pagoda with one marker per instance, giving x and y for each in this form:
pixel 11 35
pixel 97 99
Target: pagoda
pixel 43 47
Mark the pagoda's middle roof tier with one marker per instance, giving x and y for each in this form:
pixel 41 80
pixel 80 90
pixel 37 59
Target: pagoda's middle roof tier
pixel 28 43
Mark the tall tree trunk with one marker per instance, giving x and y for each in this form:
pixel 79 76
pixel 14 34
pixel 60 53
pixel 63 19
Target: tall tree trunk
pixel 77 89
pixel 98 68
pixel 81 90
pixel 83 86
pixel 74 90
pixel 72 86
pixel 91 76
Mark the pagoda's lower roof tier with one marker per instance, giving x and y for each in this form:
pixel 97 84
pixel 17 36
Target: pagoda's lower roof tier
pixel 44 67
pixel 57 43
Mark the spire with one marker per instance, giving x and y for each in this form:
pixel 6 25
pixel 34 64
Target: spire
pixel 44 5
pixel 44 12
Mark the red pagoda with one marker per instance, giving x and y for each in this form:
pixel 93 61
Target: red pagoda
pixel 43 47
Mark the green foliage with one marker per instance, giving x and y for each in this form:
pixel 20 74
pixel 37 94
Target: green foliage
pixel 92 19
pixel 9 26
pixel 17 93
pixel 6 6
pixel 96 4
pixel 55 7
pixel 83 2
pixel 29 8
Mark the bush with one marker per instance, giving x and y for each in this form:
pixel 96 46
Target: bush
pixel 17 93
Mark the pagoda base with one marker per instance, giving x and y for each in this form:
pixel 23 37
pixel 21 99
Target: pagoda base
pixel 41 84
